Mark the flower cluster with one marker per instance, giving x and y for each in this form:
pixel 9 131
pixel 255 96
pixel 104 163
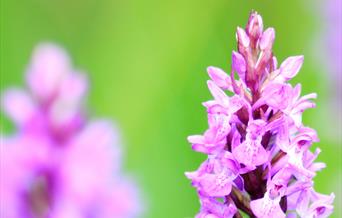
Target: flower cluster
pixel 259 162
pixel 59 164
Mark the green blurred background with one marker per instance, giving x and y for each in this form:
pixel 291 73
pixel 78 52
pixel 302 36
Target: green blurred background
pixel 147 64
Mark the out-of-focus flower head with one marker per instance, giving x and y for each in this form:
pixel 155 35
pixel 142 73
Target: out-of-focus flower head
pixel 328 52
pixel 259 161
pixel 331 46
pixel 60 164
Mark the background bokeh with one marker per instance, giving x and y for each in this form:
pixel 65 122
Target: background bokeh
pixel 147 64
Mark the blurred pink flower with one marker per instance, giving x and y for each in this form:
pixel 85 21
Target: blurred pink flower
pixel 59 164
pixel 331 14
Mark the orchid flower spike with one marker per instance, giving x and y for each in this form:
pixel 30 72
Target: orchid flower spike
pixel 259 159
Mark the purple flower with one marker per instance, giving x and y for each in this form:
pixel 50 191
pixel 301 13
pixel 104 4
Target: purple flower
pixel 215 176
pixel 259 161
pixel 269 205
pixel 250 152
pixel 59 163
pixel 308 203
pixel 211 208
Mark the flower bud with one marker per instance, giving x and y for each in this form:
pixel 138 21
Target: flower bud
pixel 239 64
pixel 267 39
pixel 242 37
pixel 259 159
pixel 254 26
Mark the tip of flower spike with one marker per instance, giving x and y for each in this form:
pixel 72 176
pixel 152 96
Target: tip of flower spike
pixel 49 65
pixel 254 26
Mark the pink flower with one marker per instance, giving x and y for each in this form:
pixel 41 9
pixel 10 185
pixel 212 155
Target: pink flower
pixel 214 209
pixel 58 163
pixel 269 205
pixel 258 148
pixel 215 177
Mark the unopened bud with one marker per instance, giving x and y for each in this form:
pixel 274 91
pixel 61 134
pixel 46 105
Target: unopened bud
pixel 254 26
pixel 267 39
pixel 242 37
pixel 239 64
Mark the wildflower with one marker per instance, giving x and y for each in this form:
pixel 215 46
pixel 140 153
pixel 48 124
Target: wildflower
pixel 259 161
pixel 59 163
pixel 211 208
